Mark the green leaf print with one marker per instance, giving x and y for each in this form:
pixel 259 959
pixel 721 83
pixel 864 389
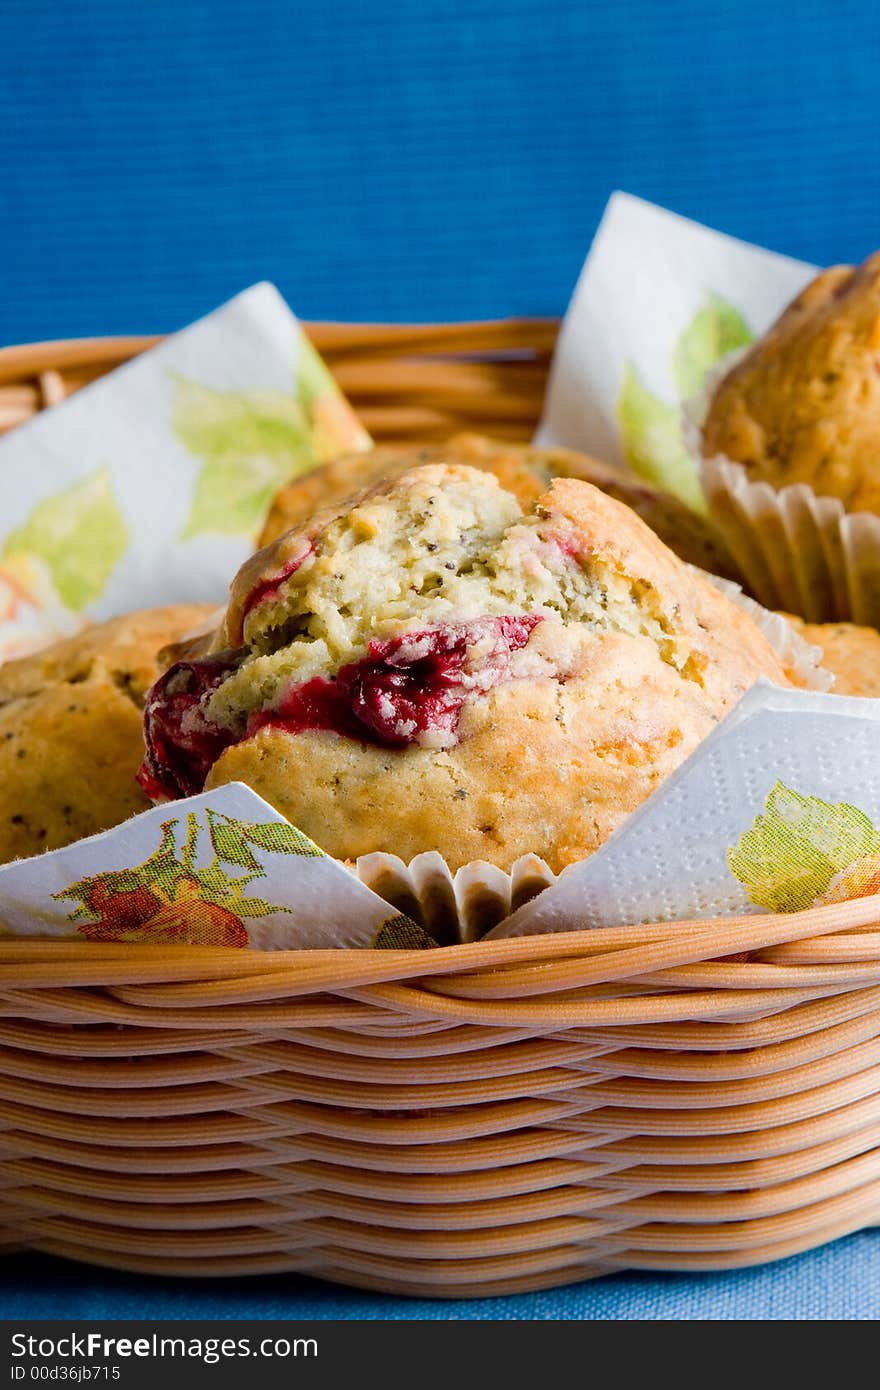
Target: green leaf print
pixel 255 907
pixel 230 839
pixel 251 443
pixel 79 534
pixel 789 856
pixel 713 332
pixel 651 428
pixel 313 379
pixel 653 442
pixel 401 933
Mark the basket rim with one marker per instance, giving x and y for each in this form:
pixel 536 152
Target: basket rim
pixel 618 952
pixel 50 354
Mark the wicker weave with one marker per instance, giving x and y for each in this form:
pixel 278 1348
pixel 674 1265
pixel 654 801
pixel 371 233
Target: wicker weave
pixel 404 381
pixel 480 1119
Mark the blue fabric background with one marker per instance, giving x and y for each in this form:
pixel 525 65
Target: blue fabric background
pixel 840 1282
pixel 392 159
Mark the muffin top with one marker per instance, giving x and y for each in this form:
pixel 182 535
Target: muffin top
pixel 71 734
pixel 438 668
pixel 803 406
pixel 521 469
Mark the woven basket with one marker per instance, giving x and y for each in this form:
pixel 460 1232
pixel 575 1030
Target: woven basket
pixel 482 1119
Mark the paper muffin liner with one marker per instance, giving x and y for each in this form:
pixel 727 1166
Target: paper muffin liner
pixel 453 907
pixel 796 550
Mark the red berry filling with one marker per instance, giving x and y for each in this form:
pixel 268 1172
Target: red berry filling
pixel 182 744
pixel 404 688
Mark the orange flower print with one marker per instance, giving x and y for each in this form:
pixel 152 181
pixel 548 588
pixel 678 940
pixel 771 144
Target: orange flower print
pixel 139 915
pixel 172 899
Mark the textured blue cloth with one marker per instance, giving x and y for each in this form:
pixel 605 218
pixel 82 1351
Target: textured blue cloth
pixel 387 159
pixel 840 1282
pixel 392 159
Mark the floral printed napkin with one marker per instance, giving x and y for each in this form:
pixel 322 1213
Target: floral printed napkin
pixel 659 302
pixel 150 486
pixel 220 869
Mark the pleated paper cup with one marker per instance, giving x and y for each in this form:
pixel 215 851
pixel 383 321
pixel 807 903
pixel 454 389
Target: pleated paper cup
pixel 463 906
pixel 795 550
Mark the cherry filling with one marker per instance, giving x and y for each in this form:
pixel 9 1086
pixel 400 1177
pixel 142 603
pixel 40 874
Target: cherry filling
pixel 405 690
pixel 182 744
pixel 405 687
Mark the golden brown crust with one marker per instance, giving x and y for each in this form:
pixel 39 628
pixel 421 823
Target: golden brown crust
pixel 689 605
pixel 70 729
pixel 542 767
pixel 337 481
pixel 610 693
pixel 527 472
pixel 521 469
pixel 850 652
pixel 804 405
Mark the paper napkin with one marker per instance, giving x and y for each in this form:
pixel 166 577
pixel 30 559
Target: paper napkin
pixel 150 485
pixel 220 869
pixel 659 302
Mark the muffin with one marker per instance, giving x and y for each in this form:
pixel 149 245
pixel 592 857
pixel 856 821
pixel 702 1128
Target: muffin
pixel 438 667
pixel 803 406
pixel 850 652
pixel 522 470
pixel 71 729
pixel 790 451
